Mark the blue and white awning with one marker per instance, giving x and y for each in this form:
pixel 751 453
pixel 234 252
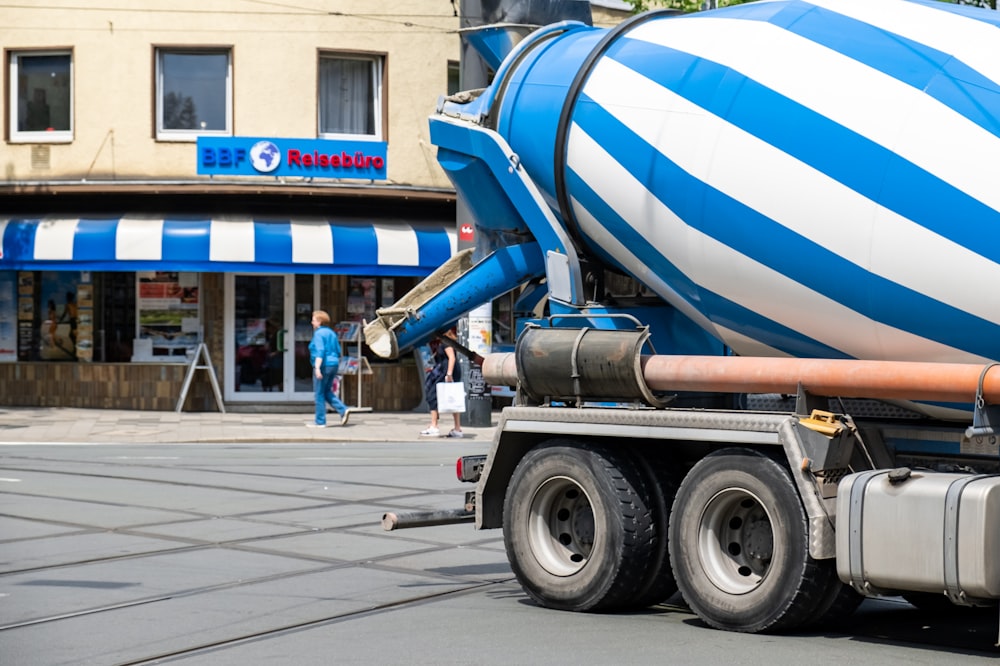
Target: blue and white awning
pixel 225 244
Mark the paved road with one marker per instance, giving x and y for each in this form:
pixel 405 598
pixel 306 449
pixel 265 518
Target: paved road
pixel 248 553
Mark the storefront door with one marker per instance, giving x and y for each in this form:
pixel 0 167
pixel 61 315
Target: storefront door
pixel 267 330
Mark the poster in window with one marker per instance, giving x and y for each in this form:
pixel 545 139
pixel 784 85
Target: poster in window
pixel 85 319
pixel 58 321
pixel 168 315
pixel 8 318
pixel 388 292
pixel 25 298
pixel 85 296
pixel 347 331
pixel 361 299
pixel 26 283
pixel 25 308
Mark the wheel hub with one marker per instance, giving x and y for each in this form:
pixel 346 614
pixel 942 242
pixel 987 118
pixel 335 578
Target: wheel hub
pixel 561 527
pixel 759 540
pixel 735 541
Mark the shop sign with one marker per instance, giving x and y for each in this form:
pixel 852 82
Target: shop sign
pixel 304 158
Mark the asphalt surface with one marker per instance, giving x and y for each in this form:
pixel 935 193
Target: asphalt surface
pixel 213 539
pixel 68 425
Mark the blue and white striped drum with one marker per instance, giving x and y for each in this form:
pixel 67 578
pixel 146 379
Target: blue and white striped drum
pixel 812 179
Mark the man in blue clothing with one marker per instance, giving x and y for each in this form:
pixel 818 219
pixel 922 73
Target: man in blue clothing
pixel 324 357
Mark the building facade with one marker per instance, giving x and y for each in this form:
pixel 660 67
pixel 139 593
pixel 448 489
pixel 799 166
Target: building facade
pixel 210 173
pixel 184 183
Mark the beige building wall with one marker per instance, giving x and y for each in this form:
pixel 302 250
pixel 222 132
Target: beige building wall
pixel 275 50
pixel 609 14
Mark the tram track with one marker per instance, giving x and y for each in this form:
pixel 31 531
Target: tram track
pixel 243 583
pixel 243 543
pixel 256 545
pixel 216 486
pixel 194 650
pixel 464 586
pixel 315 579
pixel 458 587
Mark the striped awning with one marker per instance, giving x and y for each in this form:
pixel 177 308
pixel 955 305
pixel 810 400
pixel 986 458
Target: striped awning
pixel 225 244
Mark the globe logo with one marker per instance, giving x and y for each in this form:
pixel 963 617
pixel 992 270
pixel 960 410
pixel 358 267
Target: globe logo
pixel 265 156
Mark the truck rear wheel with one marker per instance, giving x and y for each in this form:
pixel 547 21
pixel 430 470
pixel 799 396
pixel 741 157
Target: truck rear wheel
pixel 578 529
pixel 836 605
pixel 739 545
pixel 662 483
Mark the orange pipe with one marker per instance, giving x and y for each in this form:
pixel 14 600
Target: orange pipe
pixel 900 380
pixel 903 380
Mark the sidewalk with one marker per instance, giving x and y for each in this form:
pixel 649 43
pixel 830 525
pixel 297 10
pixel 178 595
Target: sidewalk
pixel 69 425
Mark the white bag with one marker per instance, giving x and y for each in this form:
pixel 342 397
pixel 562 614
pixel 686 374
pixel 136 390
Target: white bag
pixel 451 397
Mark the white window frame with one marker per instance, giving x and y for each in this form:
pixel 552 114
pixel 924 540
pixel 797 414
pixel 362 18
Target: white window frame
pixel 36 136
pixel 378 80
pixel 187 134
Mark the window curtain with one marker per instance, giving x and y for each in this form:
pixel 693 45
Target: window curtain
pixel 346 96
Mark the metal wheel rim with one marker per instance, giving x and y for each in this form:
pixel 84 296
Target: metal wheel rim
pixel 560 526
pixel 736 541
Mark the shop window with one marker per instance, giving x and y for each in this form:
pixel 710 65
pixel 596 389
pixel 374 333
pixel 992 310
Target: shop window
pixel 56 313
pixel 367 294
pixel 81 316
pixel 194 93
pixel 117 316
pixel 168 316
pixel 350 97
pixel 74 316
pixel 41 96
pixel 453 77
pixel 8 316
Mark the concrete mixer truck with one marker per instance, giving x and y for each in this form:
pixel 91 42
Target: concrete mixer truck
pixel 757 250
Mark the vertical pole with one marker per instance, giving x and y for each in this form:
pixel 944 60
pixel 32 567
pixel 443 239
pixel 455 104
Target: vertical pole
pixel 472 73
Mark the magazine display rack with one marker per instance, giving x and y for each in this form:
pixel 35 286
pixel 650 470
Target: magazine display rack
pixel 352 361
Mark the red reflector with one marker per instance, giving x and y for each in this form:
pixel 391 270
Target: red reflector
pixel 470 468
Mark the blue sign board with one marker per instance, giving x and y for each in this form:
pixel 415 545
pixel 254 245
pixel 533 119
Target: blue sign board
pixel 303 158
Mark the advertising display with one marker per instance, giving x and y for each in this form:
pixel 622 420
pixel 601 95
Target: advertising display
pixel 481 329
pixel 59 318
pixel 8 316
pixel 85 318
pixel 168 314
pixel 361 299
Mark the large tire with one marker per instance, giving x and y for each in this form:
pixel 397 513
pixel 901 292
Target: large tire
pixel 659 583
pixel 836 605
pixel 739 545
pixel 578 530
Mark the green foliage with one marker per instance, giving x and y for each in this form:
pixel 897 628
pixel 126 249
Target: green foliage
pixel 685 6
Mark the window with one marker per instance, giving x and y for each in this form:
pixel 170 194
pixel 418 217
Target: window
pixel 42 96
pixel 167 314
pixel 453 77
pixel 350 96
pixel 193 93
pixel 365 295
